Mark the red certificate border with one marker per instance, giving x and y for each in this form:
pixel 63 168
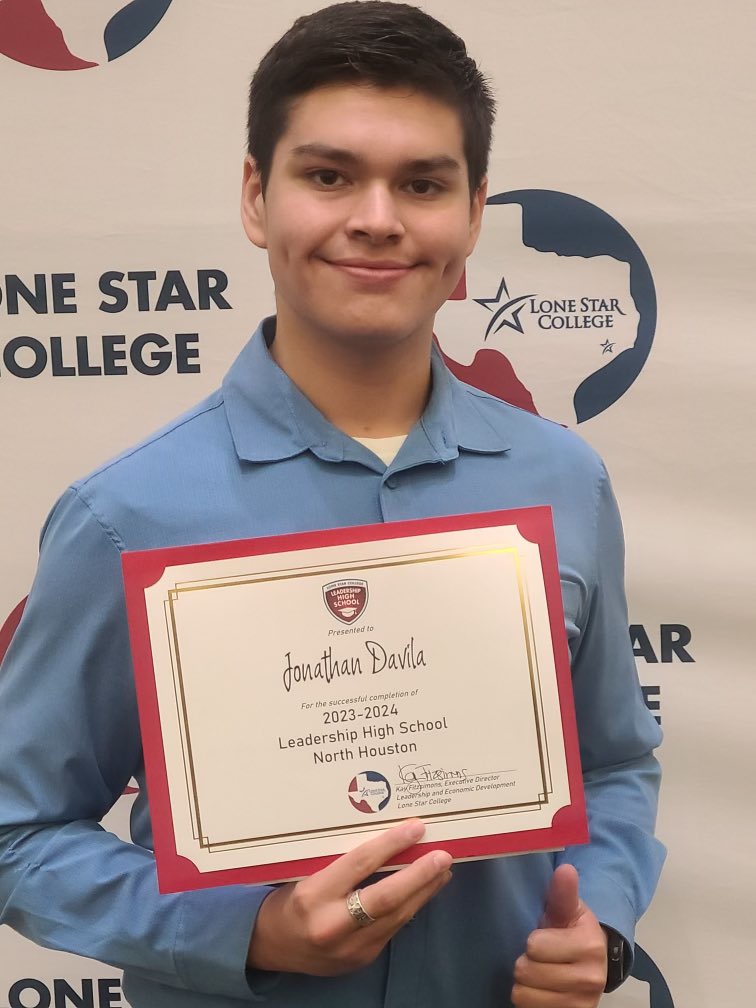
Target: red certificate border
pixel 141 569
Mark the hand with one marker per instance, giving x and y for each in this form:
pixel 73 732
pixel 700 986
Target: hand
pixel 305 927
pixel 565 960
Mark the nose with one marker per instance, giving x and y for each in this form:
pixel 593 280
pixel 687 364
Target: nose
pixel 375 215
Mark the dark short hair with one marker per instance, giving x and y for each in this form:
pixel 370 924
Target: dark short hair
pixel 376 42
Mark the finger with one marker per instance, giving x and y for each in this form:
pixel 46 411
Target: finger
pixel 347 871
pixel 565 945
pixel 528 997
pixel 563 899
pixel 560 978
pixel 386 926
pixel 404 887
pixel 362 944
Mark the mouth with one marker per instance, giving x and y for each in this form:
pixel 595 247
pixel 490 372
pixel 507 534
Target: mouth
pixel 373 270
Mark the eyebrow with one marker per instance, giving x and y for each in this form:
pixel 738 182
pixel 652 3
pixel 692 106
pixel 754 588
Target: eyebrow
pixel 421 166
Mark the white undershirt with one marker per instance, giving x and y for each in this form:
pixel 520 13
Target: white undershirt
pixel 386 448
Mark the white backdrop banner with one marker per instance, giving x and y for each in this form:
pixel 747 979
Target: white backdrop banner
pixel 612 291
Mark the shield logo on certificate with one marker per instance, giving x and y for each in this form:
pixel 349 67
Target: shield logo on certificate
pixel 347 599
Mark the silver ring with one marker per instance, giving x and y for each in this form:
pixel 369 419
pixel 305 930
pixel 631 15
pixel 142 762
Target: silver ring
pixel 357 910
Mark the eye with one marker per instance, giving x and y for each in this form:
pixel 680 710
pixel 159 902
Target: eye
pixel 328 178
pixel 424 187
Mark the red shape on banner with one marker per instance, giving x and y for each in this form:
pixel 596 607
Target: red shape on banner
pixel 491 372
pixel 9 627
pixel 460 291
pixel 29 35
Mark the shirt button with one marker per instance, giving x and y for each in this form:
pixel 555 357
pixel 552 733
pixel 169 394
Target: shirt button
pixel 391 482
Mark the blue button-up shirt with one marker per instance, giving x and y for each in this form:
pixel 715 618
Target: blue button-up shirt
pixel 257 458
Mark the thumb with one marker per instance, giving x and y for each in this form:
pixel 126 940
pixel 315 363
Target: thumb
pixel 563 900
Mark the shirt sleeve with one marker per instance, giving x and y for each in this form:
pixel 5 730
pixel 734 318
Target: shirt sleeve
pixel 620 866
pixel 69 745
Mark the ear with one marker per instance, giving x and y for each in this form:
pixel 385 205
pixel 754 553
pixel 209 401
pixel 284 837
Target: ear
pixel 476 214
pixel 253 205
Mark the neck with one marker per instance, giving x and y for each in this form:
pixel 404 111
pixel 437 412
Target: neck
pixel 365 391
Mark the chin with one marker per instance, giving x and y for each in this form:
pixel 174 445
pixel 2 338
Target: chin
pixel 373 337
pixel 376 330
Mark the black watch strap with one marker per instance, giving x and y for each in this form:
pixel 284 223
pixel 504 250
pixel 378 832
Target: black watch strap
pixel 618 959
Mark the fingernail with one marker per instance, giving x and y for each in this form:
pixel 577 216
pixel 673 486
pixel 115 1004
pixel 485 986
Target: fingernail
pixel 414 830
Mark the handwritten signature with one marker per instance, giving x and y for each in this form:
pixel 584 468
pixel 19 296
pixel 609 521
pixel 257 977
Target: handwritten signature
pixel 421 773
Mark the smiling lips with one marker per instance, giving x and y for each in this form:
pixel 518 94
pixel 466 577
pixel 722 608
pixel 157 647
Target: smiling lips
pixel 373 271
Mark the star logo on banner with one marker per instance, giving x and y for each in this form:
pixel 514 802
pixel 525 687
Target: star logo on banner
pixel 606 347
pixel 507 314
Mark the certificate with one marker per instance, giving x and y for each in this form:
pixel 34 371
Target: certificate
pixel 299 693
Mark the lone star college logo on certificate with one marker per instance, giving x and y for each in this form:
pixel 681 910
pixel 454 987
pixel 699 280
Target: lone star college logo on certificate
pixel 369 791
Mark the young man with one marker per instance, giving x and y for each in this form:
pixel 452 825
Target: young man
pixel 369 133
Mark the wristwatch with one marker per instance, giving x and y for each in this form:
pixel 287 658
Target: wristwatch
pixel 617 959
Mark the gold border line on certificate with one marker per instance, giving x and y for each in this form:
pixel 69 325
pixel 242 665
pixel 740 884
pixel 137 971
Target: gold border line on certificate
pixel 527 622
pixel 327 570
pixel 338 568
pixel 330 569
pixel 180 707
pixel 537 701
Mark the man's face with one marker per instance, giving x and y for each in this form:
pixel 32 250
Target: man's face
pixel 367 216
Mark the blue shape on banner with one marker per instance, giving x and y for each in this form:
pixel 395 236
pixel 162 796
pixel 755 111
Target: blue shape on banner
pixel 132 25
pixel 568 307
pixel 569 226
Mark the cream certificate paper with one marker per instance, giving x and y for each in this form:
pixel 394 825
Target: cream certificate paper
pixel 307 697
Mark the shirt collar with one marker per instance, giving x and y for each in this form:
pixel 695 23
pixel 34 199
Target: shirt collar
pixel 271 420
